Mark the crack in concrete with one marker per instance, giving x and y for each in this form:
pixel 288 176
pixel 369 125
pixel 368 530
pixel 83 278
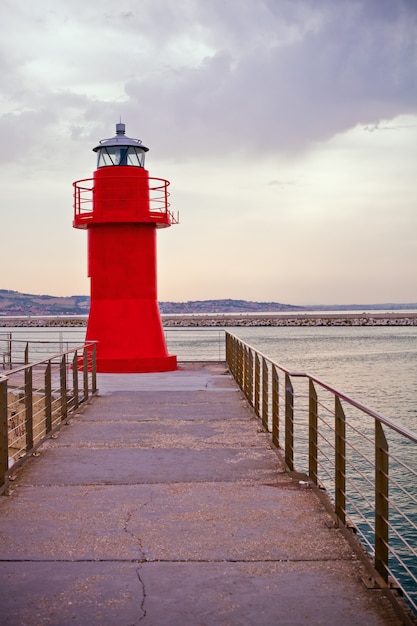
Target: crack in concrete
pixel 142 559
pixel 135 537
pixel 142 604
pixel 138 540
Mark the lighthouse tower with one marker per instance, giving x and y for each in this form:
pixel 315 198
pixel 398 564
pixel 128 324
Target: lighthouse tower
pixel 121 208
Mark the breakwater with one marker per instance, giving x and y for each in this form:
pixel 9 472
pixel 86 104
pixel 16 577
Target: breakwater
pixel 225 320
pixel 221 320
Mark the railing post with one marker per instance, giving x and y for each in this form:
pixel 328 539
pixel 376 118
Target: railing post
pixel 85 373
pixel 26 355
pixel 48 398
pixel 94 369
pixel 257 384
pixel 63 386
pixel 265 394
pixel 75 379
pixel 244 367
pixel 251 376
pixel 229 352
pixel 9 350
pixel 4 440
pixel 381 502
pixel 312 432
pixel 248 388
pixel 233 355
pixel 275 407
pixel 289 423
pixel 245 370
pixel 235 358
pixel 239 364
pixel 340 460
pixel 227 348
pixel 28 408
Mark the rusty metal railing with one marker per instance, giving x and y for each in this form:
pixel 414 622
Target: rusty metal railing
pixel 36 398
pixel 366 463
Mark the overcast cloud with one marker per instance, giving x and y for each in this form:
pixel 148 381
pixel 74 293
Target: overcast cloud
pixel 268 116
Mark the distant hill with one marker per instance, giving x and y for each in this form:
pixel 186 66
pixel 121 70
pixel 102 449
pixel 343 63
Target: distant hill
pixel 225 306
pixel 15 303
pixel 246 306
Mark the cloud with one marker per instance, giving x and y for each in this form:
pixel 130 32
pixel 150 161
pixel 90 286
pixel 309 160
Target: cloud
pixel 207 77
pixel 355 65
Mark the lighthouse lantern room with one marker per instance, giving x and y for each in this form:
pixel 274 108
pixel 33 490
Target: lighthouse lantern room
pixel 120 150
pixel 121 208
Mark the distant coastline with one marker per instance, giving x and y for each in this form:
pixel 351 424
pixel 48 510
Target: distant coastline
pixel 224 320
pixel 30 306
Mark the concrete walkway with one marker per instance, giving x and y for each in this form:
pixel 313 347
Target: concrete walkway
pixel 163 504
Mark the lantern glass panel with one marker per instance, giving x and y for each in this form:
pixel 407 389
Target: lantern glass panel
pixel 121 155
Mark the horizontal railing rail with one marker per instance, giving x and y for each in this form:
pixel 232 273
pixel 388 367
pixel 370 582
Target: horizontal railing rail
pixel 187 343
pixel 36 398
pixel 196 344
pixel 15 352
pixel 366 462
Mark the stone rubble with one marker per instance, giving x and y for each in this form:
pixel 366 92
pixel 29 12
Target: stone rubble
pixel 225 320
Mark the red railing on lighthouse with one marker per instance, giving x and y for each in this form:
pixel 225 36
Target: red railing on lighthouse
pixel 158 213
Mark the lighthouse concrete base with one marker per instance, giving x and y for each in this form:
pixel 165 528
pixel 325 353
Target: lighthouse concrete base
pixel 136 366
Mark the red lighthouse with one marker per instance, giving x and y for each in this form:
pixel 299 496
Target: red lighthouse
pixel 121 208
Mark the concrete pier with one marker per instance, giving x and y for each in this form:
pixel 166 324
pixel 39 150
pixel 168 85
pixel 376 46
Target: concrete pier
pixel 163 504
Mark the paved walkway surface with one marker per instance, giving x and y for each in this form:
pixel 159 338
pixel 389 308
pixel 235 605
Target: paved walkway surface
pixel 161 504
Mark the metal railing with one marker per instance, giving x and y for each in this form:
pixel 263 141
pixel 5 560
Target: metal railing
pixel 366 462
pixel 6 349
pixel 195 344
pixel 187 343
pixel 159 205
pixel 15 351
pixel 36 398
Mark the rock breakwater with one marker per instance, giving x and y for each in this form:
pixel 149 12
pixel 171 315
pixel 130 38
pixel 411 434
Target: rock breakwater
pixel 232 320
pixel 295 320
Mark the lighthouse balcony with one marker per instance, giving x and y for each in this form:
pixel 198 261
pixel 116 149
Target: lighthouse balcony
pixel 113 209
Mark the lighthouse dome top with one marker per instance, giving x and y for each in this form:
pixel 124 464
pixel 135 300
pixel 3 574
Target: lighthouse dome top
pixel 120 150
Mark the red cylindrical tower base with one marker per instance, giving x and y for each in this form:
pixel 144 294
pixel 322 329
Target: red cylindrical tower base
pixel 124 314
pixel 136 366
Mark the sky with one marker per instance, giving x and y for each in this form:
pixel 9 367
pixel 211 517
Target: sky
pixel 287 129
